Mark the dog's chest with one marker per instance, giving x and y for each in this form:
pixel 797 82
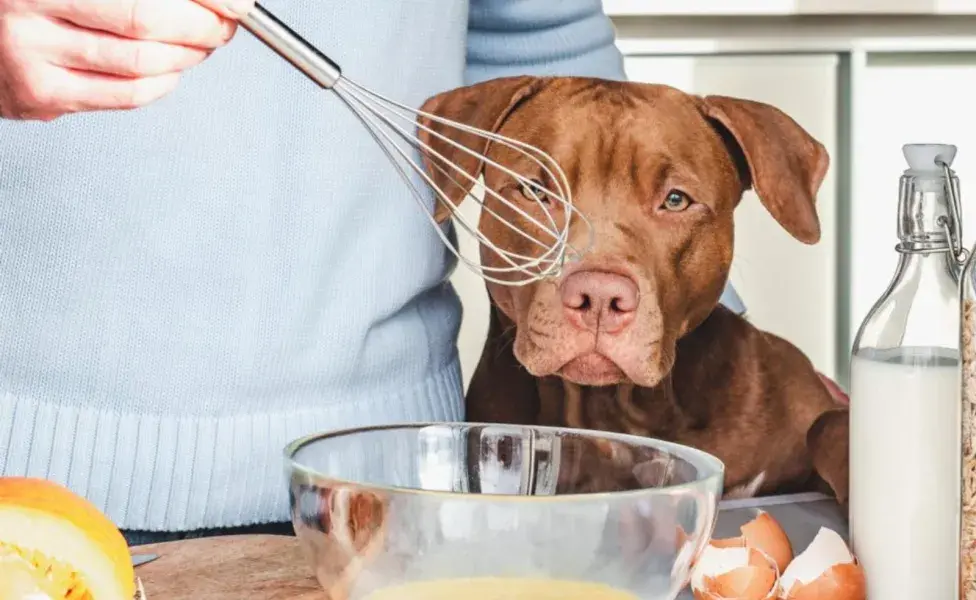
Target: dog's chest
pixel 615 409
pixel 643 412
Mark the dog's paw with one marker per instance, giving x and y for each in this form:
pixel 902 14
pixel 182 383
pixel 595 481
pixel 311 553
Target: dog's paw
pixel 747 490
pixel 827 441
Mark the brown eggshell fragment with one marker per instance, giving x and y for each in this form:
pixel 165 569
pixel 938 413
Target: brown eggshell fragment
pixel 839 582
pixel 715 561
pixel 766 534
pixel 744 583
pixel 759 559
pixel 763 533
pixel 706 595
pixel 735 542
pixel 737 573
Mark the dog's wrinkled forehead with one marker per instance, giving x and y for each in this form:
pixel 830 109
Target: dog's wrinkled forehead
pixel 616 134
pixel 619 127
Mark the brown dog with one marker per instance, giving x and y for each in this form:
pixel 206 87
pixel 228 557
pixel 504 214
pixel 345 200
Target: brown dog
pixel 631 338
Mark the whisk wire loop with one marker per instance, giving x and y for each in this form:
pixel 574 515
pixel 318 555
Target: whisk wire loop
pixel 431 153
pixel 393 151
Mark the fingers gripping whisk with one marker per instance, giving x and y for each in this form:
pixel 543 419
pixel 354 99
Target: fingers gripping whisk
pixel 530 216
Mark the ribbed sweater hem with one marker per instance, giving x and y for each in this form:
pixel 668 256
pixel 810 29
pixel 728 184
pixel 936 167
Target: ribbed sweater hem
pixel 184 472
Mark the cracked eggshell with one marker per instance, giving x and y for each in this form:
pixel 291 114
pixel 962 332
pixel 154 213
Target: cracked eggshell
pixel 745 583
pixel 826 570
pixel 765 534
pixel 734 572
pixel 715 561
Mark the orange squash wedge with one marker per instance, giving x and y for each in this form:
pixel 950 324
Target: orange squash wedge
pixel 55 544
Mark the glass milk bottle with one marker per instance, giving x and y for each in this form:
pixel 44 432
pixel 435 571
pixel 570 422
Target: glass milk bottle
pixel 905 401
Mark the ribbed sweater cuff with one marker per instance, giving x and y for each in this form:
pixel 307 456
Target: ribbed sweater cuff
pixel 180 472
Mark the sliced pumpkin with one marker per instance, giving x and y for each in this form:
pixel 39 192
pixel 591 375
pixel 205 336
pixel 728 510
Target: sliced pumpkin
pixel 59 543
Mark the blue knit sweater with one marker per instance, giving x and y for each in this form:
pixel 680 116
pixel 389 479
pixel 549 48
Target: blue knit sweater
pixel 187 287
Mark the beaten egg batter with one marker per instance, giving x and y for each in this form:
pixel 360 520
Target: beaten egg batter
pixel 490 588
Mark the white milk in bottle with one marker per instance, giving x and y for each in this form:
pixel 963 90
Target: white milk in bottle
pixel 904 479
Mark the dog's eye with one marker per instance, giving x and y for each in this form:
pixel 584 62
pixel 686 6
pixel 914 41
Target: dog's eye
pixel 676 201
pixel 534 191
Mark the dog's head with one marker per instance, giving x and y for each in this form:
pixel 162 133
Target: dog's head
pixel 658 174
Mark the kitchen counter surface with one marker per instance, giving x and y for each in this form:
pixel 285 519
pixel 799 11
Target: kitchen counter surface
pixel 257 567
pixel 260 567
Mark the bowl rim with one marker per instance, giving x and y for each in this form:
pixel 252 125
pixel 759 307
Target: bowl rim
pixel 711 461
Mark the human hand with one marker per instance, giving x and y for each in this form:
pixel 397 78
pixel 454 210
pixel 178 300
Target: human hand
pixel 66 56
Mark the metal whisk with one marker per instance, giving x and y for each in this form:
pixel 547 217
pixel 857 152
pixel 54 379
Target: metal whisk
pixel 393 126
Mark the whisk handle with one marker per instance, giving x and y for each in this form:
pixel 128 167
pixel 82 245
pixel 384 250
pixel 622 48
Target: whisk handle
pixel 290 46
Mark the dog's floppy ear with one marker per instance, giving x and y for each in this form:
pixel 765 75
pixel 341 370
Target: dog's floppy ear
pixel 785 164
pixel 484 106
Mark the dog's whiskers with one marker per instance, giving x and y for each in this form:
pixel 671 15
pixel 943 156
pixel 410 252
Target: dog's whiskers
pixel 508 340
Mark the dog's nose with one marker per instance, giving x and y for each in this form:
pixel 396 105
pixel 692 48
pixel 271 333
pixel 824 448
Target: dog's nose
pixel 599 301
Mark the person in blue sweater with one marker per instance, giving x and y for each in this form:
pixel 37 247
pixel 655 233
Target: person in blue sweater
pixel 187 287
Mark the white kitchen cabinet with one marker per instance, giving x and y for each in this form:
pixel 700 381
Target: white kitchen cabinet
pixel 738 8
pixel 899 99
pixel 790 289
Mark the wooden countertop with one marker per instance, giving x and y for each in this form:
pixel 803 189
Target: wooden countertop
pixel 256 567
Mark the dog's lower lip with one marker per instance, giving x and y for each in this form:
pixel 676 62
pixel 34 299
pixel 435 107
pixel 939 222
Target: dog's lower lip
pixel 592 368
pixel 595 360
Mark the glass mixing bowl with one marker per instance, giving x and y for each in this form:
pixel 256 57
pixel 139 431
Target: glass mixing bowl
pixel 445 511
